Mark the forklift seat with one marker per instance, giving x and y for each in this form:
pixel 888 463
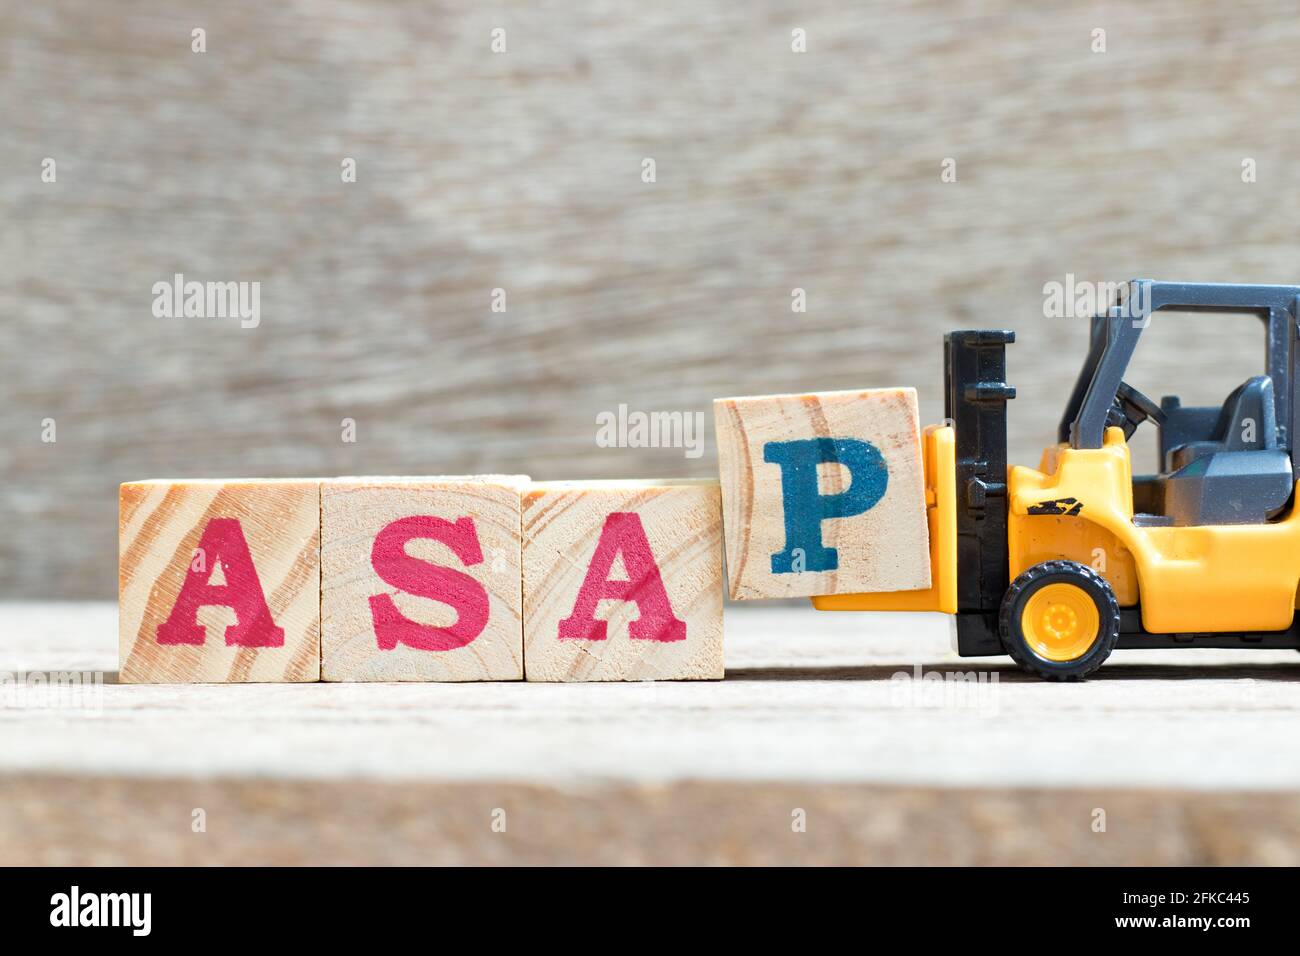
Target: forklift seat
pixel 1247 422
pixel 1236 474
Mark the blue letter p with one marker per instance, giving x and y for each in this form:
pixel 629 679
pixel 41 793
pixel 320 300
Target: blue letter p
pixel 806 508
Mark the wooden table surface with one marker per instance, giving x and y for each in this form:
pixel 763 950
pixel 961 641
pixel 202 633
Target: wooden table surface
pixel 1191 755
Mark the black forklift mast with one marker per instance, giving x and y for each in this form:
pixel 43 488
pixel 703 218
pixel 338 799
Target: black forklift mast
pixel 975 401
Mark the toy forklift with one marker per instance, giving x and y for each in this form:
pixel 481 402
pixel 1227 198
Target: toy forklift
pixel 1057 566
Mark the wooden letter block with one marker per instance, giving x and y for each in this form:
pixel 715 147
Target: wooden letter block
pixel 219 581
pixel 623 581
pixel 823 494
pixel 421 579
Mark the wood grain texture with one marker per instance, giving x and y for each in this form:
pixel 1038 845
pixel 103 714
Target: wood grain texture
pixel 354 511
pixel 145 821
pixel 884 548
pixel 565 525
pixel 1191 754
pixel 521 171
pixel 163 525
pixel 809 698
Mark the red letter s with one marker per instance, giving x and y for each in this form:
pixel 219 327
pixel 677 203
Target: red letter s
pixel 397 568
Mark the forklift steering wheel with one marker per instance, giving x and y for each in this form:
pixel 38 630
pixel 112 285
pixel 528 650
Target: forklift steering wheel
pixel 1132 408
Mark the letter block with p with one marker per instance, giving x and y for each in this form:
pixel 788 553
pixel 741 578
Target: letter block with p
pixel 623 580
pixel 219 581
pixel 823 493
pixel 420 579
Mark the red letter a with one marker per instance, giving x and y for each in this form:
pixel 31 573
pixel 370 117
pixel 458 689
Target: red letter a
pixel 391 562
pixel 624 533
pixel 223 542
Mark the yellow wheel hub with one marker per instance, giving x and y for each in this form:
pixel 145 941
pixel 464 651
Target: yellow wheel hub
pixel 1060 622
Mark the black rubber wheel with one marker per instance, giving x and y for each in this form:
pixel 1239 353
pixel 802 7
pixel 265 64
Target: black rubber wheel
pixel 1035 656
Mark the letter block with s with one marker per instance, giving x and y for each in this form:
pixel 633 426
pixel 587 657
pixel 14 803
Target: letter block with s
pixel 823 493
pixel 420 579
pixel 623 580
pixel 219 581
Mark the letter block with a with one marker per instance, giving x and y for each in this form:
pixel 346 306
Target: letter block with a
pixel 623 580
pixel 823 493
pixel 219 581
pixel 420 579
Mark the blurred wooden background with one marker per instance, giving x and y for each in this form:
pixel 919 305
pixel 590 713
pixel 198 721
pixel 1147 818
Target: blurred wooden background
pixel 522 171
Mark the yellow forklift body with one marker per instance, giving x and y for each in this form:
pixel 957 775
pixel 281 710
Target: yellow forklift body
pixel 938 450
pixel 1079 506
